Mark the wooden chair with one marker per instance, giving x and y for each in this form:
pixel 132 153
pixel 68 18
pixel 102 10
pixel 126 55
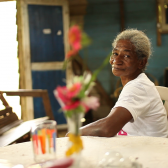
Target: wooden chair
pixel 8 119
pixel 163 92
pixel 13 130
pixel 34 93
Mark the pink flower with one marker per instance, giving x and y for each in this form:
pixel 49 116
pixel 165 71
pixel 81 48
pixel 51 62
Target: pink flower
pixel 65 96
pixel 74 90
pixel 71 105
pixel 90 103
pixel 65 93
pixel 69 100
pixel 61 93
pixel 75 38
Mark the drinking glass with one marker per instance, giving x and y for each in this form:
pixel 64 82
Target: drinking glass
pixel 44 140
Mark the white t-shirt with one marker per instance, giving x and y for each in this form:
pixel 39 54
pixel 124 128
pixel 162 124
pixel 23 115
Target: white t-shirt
pixel 142 100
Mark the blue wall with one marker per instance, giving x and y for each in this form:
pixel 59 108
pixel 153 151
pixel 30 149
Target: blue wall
pixel 102 24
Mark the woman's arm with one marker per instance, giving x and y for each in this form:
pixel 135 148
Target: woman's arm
pixel 108 126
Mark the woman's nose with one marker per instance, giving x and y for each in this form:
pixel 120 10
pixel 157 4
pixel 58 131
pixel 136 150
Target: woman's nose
pixel 117 59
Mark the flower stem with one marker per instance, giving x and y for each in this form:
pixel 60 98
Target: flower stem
pixel 77 123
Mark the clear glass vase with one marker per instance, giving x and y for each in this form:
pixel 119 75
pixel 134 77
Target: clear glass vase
pixel 75 144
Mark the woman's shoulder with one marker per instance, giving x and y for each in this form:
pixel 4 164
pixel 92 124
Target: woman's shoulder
pixel 141 82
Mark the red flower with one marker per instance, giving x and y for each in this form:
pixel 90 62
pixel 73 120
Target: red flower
pixel 75 37
pixel 72 105
pixel 74 89
pixel 65 96
pixel 62 93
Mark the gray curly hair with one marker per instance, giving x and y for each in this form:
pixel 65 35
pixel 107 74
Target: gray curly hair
pixel 139 39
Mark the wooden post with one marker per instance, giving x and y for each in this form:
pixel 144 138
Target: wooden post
pixel 122 21
pixel 159 41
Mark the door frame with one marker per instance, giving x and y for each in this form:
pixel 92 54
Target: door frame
pixel 24 49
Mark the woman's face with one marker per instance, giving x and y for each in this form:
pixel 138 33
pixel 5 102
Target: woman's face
pixel 124 60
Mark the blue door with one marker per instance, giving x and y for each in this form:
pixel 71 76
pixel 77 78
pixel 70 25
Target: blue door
pixel 47 46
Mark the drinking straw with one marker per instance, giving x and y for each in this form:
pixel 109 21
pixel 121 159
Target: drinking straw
pixel 54 139
pixel 49 142
pixel 51 132
pixel 47 147
pixel 36 140
pixel 41 136
pixel 39 147
pixel 35 144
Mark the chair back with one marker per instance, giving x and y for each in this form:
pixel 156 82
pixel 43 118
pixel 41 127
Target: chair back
pixel 163 92
pixel 8 119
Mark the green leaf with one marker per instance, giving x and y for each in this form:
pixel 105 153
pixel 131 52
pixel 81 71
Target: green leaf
pixel 85 40
pixel 79 109
pixel 81 94
pixel 69 113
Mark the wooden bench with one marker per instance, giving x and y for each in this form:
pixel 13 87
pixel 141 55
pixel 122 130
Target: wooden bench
pixel 13 130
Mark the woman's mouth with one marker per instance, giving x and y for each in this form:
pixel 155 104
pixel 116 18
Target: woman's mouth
pixel 116 68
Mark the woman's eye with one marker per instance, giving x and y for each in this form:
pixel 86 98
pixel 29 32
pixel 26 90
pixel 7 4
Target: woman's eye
pixel 126 56
pixel 114 54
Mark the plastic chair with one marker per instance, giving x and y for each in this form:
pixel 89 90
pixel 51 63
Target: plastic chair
pixel 163 92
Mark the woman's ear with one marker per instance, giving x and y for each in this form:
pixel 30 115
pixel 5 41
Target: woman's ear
pixel 142 63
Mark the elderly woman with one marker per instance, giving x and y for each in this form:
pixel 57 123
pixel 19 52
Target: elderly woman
pixel 139 110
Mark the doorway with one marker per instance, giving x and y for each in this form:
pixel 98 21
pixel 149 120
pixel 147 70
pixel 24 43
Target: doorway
pixel 9 64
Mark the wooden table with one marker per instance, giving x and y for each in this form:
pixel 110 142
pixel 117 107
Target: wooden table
pixel 152 152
